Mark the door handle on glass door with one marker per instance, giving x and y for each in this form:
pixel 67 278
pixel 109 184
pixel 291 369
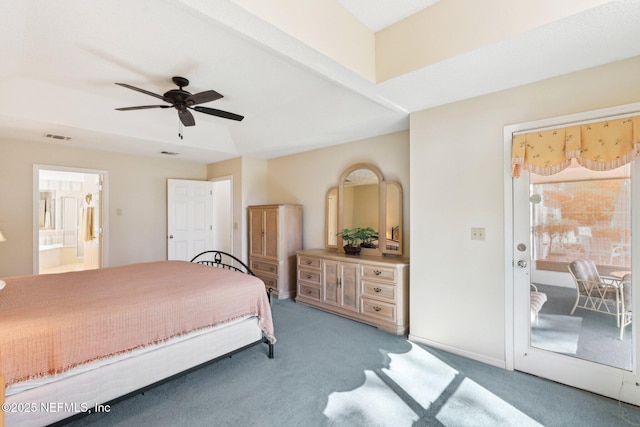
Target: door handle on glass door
pixel 522 263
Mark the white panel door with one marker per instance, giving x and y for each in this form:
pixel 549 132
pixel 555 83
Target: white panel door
pixel 189 218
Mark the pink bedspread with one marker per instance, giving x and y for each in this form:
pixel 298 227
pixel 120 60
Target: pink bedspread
pixel 51 323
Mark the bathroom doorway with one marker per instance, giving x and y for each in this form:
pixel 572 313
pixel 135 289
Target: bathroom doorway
pixel 68 219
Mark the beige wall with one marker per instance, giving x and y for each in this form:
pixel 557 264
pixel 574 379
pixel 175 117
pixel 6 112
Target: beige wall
pixel 249 178
pixel 137 186
pixel 305 178
pixel 454 27
pixel 458 172
pixel 324 25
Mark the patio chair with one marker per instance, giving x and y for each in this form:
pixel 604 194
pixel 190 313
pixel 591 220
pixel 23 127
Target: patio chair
pixel 627 308
pixel 594 292
pixel 536 301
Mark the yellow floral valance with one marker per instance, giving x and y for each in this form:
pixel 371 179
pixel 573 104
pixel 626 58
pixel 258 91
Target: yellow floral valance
pixel 597 146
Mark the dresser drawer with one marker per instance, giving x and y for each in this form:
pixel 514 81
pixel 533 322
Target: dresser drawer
pixel 309 276
pixel 379 309
pixel 309 291
pixel 377 272
pixel 308 262
pixel 259 266
pixel 378 290
pixel 269 282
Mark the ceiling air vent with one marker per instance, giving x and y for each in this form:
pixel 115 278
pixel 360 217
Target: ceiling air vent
pixel 169 153
pixel 62 137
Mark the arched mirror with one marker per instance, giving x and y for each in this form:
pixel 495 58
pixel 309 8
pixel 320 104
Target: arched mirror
pixel 368 214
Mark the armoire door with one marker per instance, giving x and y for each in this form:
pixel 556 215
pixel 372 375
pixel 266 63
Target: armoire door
pixel 271 233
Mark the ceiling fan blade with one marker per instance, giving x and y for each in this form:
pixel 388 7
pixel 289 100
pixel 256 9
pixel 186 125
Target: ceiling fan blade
pixel 219 113
pixel 202 97
pixel 143 107
pixel 186 118
pixel 140 90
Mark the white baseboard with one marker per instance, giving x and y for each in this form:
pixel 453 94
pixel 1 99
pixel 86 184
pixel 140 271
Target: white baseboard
pixel 469 355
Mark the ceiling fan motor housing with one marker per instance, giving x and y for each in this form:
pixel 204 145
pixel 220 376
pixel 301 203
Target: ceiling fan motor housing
pixel 176 97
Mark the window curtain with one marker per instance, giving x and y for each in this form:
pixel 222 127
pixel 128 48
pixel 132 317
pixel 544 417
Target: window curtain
pixel 599 146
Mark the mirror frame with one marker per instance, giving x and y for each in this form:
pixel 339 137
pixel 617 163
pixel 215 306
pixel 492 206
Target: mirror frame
pixel 385 249
pixel 382 211
pixel 327 217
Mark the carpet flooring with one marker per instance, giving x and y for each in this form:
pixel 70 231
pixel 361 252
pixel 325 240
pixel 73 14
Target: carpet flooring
pixel 556 333
pixel 331 371
pixel 598 337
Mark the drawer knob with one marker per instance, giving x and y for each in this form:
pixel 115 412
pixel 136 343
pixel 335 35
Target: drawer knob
pixel 308 276
pixel 309 262
pixel 377 289
pixel 377 272
pixel 376 308
pixel 308 291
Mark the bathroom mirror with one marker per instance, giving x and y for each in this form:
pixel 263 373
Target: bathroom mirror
pixel 366 200
pixel 47 210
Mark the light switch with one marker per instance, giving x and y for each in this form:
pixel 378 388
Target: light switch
pixel 477 234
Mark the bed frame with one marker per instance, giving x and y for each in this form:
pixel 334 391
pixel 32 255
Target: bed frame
pixel 227 261
pixel 109 384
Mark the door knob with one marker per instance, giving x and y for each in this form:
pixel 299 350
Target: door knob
pixel 522 263
pixel 171 236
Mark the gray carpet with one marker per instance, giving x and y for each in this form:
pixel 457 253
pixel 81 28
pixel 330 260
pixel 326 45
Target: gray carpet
pixel 331 371
pixel 557 333
pixel 599 337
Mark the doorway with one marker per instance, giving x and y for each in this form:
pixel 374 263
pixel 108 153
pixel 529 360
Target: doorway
pixel 223 214
pixel 68 219
pixel 550 222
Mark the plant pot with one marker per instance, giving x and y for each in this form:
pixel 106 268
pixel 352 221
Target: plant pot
pixel 352 250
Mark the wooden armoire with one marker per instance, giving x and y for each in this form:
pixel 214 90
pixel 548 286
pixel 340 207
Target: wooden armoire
pixel 275 234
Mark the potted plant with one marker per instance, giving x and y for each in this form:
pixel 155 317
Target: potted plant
pixel 367 236
pixel 357 238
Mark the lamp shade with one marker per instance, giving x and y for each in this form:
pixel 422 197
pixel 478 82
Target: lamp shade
pixel 2 239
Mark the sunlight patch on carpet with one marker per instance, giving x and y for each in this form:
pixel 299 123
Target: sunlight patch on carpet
pixel 423 376
pixel 473 405
pixel 418 387
pixel 556 333
pixel 371 404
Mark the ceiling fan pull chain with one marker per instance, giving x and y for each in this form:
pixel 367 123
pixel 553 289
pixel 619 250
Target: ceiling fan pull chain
pixel 180 129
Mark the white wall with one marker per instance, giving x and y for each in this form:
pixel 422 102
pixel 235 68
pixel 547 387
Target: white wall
pixel 305 178
pixel 457 175
pixel 137 186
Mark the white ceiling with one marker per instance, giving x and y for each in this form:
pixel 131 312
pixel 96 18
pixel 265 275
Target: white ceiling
pixel 60 61
pixel 379 14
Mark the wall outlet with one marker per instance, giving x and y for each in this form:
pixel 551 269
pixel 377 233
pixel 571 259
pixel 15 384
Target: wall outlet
pixel 477 234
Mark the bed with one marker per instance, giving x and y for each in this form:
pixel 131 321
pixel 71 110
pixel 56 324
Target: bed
pixel 73 343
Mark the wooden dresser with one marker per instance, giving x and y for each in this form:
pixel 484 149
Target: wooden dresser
pixel 370 289
pixel 275 234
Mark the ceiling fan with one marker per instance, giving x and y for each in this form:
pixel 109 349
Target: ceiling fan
pixel 184 101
